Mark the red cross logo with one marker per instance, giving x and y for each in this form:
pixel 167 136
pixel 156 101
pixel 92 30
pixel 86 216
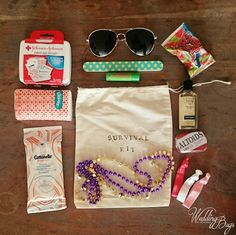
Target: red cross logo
pixel 28 48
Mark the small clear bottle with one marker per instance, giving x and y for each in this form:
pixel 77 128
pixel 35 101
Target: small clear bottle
pixel 188 113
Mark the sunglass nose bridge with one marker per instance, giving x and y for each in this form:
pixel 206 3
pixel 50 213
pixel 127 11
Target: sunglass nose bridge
pixel 121 36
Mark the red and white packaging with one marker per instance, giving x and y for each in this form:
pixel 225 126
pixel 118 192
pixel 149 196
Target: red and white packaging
pixel 35 104
pixel 45 59
pixel 192 142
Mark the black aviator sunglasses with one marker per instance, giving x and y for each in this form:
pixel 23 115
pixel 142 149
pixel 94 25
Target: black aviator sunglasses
pixel 140 41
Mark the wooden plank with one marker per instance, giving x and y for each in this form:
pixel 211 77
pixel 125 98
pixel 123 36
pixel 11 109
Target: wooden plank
pixel 212 21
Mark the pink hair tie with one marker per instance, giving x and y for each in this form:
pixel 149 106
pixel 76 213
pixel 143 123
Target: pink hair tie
pixel 179 178
pixel 195 191
pixel 187 185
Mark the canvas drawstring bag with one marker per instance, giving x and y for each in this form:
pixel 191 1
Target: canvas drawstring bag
pixel 119 125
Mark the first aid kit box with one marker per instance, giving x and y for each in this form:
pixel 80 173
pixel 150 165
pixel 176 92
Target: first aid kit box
pixel 45 59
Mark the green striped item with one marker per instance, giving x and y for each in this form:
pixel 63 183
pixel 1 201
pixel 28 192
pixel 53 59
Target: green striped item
pixel 117 66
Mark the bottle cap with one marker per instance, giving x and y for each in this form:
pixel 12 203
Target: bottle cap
pixel 188 84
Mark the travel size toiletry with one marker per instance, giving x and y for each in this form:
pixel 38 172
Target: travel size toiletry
pixel 122 76
pixel 44 169
pixel 187 107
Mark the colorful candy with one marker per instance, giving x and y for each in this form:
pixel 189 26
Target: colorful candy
pixel 183 44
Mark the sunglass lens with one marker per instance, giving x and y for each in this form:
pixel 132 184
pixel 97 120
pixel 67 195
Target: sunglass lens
pixel 140 41
pixel 102 42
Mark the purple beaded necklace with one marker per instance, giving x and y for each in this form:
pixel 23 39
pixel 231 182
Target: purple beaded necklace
pixel 94 173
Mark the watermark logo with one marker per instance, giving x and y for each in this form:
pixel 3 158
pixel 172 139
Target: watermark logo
pixel 206 216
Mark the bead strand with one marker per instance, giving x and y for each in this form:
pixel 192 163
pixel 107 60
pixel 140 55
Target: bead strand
pixel 94 173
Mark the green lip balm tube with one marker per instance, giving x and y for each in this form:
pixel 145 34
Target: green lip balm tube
pixel 122 76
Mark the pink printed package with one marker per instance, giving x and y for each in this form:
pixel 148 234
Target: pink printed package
pixel 31 104
pixel 44 169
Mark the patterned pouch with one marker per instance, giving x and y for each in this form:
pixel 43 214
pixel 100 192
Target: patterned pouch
pixel 33 104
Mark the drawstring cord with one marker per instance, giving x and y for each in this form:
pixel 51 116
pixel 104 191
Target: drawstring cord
pixel 179 89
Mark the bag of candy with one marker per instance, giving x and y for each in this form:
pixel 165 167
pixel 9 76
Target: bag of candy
pixel 188 48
